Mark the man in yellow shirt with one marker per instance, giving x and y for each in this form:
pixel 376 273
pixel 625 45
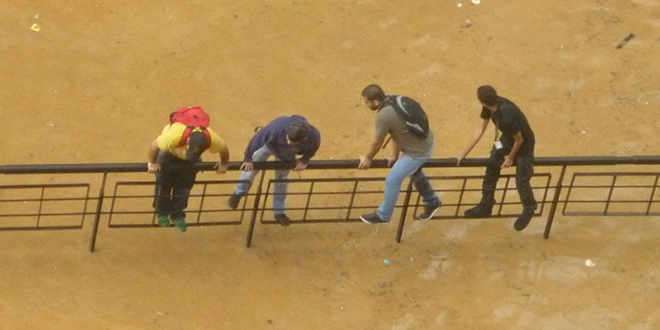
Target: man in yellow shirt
pixel 172 157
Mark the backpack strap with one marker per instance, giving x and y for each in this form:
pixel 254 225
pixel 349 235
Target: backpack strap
pixel 399 103
pixel 414 118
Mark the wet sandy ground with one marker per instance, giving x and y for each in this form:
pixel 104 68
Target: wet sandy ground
pixel 96 83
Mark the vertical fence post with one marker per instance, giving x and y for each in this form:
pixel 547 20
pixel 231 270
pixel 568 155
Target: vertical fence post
pixel 201 203
pixel 404 210
pixel 350 204
pixel 41 203
pixel 255 209
pixel 309 198
pixel 609 195
pixel 555 199
pixel 97 215
pixel 655 185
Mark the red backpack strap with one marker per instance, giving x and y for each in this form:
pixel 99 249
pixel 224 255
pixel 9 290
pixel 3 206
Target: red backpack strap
pixel 186 135
pixel 208 137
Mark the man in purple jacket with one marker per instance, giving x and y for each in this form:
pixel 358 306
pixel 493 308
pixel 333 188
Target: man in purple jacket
pixel 284 138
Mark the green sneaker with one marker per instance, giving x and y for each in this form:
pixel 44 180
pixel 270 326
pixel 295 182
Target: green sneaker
pixel 180 224
pixel 163 220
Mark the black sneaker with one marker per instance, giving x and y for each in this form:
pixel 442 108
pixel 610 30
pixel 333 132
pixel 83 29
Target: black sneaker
pixel 429 211
pixel 372 218
pixel 233 201
pixel 524 219
pixel 482 210
pixel 282 219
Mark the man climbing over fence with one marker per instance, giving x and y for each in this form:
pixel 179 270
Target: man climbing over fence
pixel 173 156
pixel 405 121
pixel 513 147
pixel 285 138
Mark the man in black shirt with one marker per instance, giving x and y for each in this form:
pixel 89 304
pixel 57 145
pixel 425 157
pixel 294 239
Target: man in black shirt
pixel 514 145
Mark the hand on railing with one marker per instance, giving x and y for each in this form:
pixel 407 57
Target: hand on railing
pixel 221 168
pixel 300 165
pixel 153 167
pixel 365 162
pixel 459 159
pixel 508 161
pixel 247 166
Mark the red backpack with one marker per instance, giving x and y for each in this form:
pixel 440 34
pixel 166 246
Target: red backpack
pixel 192 117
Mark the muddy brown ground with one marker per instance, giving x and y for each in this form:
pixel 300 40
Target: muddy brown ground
pixel 96 82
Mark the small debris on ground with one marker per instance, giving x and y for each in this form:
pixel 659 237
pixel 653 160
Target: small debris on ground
pixel 625 40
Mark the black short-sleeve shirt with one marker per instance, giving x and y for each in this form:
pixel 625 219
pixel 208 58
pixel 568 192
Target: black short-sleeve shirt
pixel 509 120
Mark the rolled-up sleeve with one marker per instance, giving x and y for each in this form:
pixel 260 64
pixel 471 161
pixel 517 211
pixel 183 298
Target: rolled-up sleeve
pixel 217 143
pixel 381 127
pixel 170 137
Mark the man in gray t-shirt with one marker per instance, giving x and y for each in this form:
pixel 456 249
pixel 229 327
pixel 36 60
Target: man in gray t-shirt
pixel 415 151
pixel 389 122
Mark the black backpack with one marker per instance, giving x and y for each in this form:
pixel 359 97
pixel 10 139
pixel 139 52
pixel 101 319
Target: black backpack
pixel 411 112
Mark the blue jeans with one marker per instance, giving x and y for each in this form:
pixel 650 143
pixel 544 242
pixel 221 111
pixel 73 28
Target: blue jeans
pixel 279 194
pixel 406 166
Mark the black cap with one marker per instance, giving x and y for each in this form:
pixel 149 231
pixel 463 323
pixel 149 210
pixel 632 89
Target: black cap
pixel 197 143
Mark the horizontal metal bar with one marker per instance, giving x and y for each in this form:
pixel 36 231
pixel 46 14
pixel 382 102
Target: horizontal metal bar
pixel 41 228
pixel 337 220
pixel 381 191
pixel 383 178
pixel 189 224
pixel 495 216
pixel 614 201
pixel 338 193
pixel 7 215
pixel 191 196
pixel 610 213
pixel 47 185
pixel 322 164
pixel 50 199
pixel 328 207
pixel 652 174
pixel 477 202
pixel 347 180
pixel 149 183
pixel 152 211
pixel 609 185
pixel 327 220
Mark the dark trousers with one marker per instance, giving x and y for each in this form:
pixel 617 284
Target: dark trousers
pixel 173 183
pixel 524 171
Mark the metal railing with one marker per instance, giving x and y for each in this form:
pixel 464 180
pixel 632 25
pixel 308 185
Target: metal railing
pixel 336 206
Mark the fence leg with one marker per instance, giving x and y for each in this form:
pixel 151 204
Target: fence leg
pixel 97 215
pixel 255 209
pixel 402 220
pixel 555 199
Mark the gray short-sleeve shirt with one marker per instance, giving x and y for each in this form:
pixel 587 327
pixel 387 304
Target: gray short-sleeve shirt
pixel 388 122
